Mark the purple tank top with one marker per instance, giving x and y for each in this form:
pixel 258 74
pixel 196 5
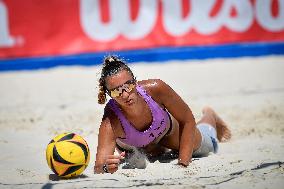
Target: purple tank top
pixel 136 138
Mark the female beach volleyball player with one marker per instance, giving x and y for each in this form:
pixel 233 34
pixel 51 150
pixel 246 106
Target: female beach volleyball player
pixel 151 116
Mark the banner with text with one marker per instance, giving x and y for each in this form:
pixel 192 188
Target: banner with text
pixel 36 28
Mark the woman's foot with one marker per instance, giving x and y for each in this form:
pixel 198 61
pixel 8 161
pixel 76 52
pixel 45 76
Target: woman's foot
pixel 223 131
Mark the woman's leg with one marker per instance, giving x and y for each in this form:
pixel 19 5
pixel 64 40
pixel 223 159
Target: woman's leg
pixel 212 118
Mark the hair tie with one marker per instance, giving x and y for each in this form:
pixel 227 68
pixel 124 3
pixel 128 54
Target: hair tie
pixel 110 59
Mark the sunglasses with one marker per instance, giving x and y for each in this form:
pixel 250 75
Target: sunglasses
pixel 128 86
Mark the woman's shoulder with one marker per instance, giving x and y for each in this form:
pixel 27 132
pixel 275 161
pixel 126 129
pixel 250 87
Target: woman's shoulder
pixel 154 87
pixel 109 117
pixel 108 111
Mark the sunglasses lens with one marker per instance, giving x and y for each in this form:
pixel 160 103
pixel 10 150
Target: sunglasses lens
pixel 114 93
pixel 118 91
pixel 129 87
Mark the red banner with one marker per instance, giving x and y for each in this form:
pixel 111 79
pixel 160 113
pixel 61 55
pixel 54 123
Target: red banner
pixel 32 28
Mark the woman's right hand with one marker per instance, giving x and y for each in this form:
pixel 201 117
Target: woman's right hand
pixel 113 161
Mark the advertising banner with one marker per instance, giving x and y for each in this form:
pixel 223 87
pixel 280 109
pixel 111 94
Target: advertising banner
pixel 38 29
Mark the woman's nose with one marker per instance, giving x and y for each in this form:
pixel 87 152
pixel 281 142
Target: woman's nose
pixel 125 94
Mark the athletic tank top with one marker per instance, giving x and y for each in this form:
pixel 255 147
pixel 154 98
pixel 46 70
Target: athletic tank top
pixel 133 137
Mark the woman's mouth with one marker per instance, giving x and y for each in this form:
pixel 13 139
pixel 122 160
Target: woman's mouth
pixel 129 102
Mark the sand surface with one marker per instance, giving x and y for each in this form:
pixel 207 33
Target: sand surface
pixel 247 92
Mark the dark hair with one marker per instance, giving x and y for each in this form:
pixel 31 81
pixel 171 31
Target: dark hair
pixel 111 66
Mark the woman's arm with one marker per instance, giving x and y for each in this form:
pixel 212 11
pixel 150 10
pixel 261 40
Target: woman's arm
pixel 180 110
pixel 106 147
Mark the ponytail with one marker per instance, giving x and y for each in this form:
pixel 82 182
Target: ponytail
pixel 102 92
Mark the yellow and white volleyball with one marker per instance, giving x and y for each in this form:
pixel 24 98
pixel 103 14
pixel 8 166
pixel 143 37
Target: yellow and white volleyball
pixel 67 155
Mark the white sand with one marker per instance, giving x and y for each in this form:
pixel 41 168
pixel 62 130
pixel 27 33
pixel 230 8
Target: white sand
pixel 247 92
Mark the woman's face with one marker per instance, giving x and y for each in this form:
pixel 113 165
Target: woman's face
pixel 120 83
